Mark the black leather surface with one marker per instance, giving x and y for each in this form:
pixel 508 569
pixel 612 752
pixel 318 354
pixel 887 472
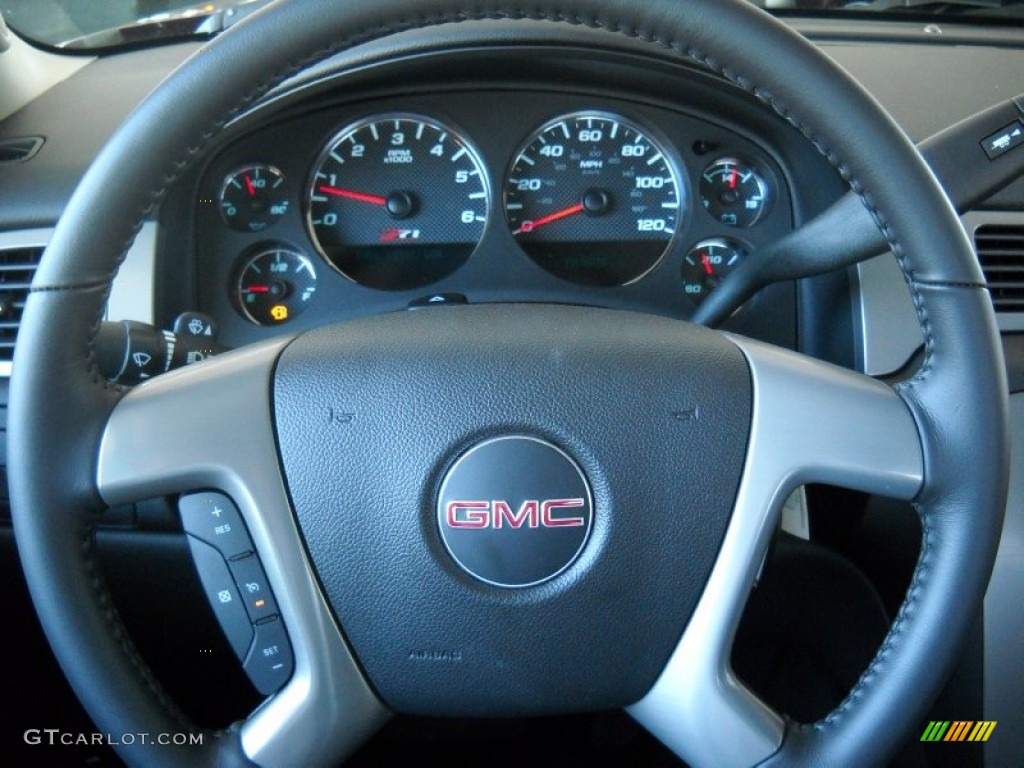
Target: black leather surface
pixel 960 531
pixel 51 472
pixel 58 402
pixel 842 235
pixel 656 414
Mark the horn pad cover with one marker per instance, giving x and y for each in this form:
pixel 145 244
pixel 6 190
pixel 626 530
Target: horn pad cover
pixel 373 414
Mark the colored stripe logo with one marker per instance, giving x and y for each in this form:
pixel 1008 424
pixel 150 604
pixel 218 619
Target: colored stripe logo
pixel 958 730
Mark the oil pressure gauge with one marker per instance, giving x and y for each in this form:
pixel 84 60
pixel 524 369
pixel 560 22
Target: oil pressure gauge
pixel 734 193
pixel 253 198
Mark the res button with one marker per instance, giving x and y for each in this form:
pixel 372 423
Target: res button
pixel 214 518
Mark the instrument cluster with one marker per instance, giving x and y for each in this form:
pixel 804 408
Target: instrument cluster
pixel 435 197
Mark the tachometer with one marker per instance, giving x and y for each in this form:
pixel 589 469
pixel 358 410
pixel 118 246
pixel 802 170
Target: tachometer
pixel 397 202
pixel 593 199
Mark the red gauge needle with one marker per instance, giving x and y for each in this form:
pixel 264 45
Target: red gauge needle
pixel 732 179
pixel 250 187
pixel 707 264
pixel 353 195
pixel 258 289
pixel 529 226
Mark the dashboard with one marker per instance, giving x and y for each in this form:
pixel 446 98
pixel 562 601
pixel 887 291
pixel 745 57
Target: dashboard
pixel 472 195
pixel 579 179
pixel 519 167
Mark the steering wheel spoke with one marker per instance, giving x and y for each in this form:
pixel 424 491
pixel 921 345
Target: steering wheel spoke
pixel 815 422
pixel 215 432
pixel 812 422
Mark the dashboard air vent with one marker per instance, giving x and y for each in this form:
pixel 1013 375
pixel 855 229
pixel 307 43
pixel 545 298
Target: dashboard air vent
pixel 1001 253
pixel 19 150
pixel 17 266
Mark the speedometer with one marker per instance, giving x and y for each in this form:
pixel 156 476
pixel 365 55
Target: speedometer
pixel 397 202
pixel 593 199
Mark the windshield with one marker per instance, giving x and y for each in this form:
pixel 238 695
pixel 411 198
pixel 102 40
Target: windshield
pixel 105 23
pixel 88 24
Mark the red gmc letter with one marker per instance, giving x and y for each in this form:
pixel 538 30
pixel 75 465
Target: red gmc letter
pixel 527 514
pixel 468 514
pixel 548 508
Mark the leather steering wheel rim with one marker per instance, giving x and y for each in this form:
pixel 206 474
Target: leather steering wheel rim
pixel 60 404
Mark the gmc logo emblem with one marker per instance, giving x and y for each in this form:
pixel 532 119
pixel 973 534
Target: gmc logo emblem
pixel 498 514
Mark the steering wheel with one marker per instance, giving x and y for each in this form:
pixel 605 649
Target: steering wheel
pixel 358 454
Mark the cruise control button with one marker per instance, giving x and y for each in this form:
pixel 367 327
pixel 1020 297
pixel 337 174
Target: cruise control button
pixel 214 518
pixel 270 661
pixel 252 585
pixel 223 595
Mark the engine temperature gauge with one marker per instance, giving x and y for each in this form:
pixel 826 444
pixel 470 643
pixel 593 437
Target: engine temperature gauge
pixel 734 193
pixel 707 264
pixel 275 284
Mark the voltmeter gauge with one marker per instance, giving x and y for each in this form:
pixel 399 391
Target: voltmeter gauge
pixel 707 264
pixel 734 193
pixel 253 198
pixel 274 285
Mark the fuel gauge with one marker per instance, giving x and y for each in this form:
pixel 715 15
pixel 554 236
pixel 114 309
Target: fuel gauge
pixel 734 193
pixel 274 285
